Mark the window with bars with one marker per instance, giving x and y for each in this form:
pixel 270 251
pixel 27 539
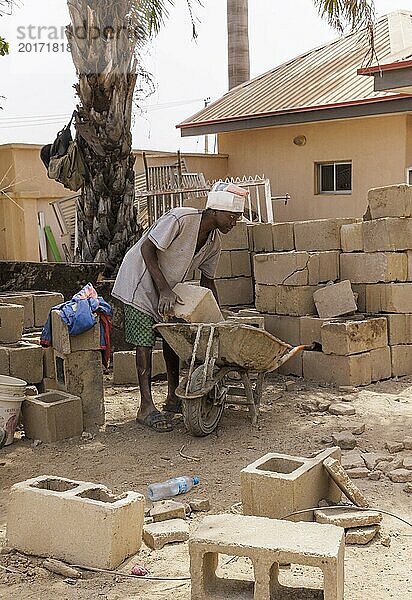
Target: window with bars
pixel 334 178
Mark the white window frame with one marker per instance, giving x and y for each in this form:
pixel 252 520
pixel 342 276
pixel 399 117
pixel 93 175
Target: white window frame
pixel 318 179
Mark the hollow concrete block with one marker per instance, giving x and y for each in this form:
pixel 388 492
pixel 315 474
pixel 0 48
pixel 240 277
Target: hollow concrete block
pixel 65 343
pixel 25 361
pixel 374 267
pixel 267 543
pixel 24 299
pixel 354 336
pixel 81 374
pixel 11 323
pixel 52 416
pixel 43 302
pixel 276 485
pixel 74 521
pixel 390 201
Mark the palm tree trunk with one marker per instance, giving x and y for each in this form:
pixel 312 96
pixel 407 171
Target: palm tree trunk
pixel 238 42
pixel 103 54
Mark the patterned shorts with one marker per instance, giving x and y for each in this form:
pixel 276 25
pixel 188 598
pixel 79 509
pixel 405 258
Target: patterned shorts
pixel 138 327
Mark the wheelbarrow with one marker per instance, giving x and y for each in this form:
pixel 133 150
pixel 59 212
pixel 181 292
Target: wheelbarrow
pixel 212 351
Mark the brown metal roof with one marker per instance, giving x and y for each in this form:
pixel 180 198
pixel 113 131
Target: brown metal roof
pixel 322 78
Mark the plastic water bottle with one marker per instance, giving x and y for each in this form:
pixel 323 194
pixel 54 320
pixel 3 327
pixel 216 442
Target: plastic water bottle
pixel 171 487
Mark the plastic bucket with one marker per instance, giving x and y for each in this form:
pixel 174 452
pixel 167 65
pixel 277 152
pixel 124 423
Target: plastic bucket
pixel 12 394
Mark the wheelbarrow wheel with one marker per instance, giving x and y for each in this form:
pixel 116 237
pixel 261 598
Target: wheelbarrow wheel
pixel 201 415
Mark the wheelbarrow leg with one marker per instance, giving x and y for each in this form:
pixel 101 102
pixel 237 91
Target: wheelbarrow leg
pixel 250 397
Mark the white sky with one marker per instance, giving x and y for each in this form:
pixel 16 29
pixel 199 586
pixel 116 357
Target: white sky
pixel 38 87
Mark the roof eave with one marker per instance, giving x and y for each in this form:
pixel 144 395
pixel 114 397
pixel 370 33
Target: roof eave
pixel 368 107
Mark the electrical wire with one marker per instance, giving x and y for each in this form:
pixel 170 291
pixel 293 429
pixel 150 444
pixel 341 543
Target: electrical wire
pixel 142 577
pixel 350 507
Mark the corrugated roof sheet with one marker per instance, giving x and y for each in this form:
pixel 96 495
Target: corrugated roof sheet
pixel 321 78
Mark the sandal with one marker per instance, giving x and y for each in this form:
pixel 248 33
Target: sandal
pixel 173 407
pixel 156 421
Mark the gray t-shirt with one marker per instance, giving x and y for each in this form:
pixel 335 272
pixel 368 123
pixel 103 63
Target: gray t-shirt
pixel 175 237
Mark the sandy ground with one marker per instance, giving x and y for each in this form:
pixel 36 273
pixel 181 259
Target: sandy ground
pixel 126 457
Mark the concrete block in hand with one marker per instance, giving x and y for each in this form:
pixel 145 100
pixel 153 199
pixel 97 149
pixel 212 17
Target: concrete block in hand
pixel 199 304
pixel 354 336
pixel 390 201
pixel 11 323
pixel 375 267
pixel 52 416
pixel 335 300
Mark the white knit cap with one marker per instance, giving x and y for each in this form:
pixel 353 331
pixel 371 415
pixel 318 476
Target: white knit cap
pixel 225 201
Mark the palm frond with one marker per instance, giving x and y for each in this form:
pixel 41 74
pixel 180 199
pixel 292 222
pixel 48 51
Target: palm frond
pixel 340 14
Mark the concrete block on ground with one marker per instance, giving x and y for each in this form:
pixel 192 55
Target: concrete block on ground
pixel 199 304
pixel 157 535
pixel 286 299
pixel 266 543
pixel 52 416
pixel 361 535
pixel 283 237
pixel 351 237
pixel 43 302
pixel 276 485
pixel 399 329
pixel 81 374
pixel 237 238
pixel 319 235
pixel 335 300
pixel 124 367
pixel 338 370
pixel 387 235
pixel 166 510
pixel 310 330
pixel 74 521
pixel 235 292
pixel 401 357
pixel 240 263
pixel 343 517
pixel 381 364
pixel 260 237
pixel 390 201
pixel 224 268
pixel 375 267
pixel 389 298
pixel 342 480
pixel 65 343
pixel 22 299
pixel 22 360
pixel 283 327
pixel 354 336
pixel 11 323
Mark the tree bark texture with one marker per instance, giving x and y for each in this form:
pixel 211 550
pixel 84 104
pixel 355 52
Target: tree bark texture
pixel 103 54
pixel 238 42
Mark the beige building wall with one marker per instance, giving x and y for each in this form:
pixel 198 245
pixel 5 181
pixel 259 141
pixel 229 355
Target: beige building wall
pixel 25 190
pixel 380 149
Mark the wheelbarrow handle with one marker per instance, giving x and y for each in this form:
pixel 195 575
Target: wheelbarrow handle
pixel 293 352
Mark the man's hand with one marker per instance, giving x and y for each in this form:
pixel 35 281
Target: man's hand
pixel 167 301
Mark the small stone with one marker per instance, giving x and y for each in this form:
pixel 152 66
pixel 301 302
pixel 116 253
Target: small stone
pixel 407 462
pixel 323 503
pixel 385 540
pixel 361 535
pixel 167 509
pixel 86 435
pixel 290 385
pixel 386 467
pixel 358 429
pixel 344 439
pixel 158 535
pixel 323 405
pixel 342 409
pixel 393 447
pixel 374 475
pixel 400 475
pixel 56 566
pixel 31 390
pixel 407 443
pixel 200 505
pixel 326 439
pixel 309 407
pixel 408 488
pixel 352 460
pixel 35 443
pixel 347 388
pixel 361 473
pixel 347 517
pixel 373 458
